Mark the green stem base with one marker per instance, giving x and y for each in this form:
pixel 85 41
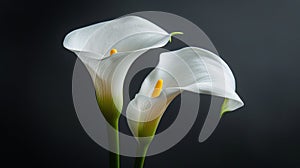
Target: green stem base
pixel 139 161
pixel 113 137
pixel 114 160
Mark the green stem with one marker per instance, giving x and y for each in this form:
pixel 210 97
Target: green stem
pixel 139 161
pixel 114 157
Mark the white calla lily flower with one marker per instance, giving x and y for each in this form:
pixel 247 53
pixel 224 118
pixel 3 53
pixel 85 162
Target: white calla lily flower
pixel 108 49
pixel 188 69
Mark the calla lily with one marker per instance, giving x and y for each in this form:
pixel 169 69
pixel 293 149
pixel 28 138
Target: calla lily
pixel 108 49
pixel 188 69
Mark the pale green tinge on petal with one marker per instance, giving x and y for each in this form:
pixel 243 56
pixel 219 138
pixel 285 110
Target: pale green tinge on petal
pixel 143 114
pixel 224 107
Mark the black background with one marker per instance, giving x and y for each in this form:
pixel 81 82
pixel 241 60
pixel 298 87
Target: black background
pixel 260 41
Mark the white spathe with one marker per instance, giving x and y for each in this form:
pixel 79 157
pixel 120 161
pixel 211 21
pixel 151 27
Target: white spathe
pixel 130 35
pixel 188 69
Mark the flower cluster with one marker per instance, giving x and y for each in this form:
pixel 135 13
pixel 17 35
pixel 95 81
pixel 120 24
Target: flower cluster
pixel 108 49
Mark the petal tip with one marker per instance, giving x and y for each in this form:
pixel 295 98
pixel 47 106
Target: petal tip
pixel 173 34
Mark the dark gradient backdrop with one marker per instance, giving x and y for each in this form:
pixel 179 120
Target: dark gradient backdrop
pixel 260 41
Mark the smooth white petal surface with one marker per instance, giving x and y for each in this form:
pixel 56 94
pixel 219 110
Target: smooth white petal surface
pixel 145 109
pixel 191 69
pixel 196 70
pixel 112 72
pixel 125 34
pixel 130 35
